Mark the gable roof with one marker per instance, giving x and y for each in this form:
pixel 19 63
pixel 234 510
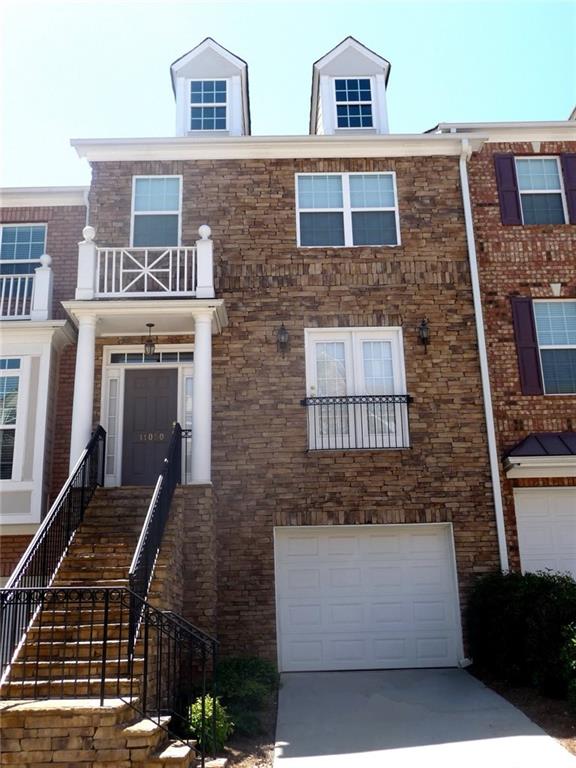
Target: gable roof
pixel 208 42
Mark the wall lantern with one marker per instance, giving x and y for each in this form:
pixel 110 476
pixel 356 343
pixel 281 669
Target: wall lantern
pixel 424 333
pixel 282 339
pixel 149 346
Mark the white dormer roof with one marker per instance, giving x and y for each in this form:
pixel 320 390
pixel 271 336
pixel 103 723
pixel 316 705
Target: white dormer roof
pixel 209 61
pixel 348 60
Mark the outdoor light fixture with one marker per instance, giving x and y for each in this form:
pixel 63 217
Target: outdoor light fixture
pixel 424 333
pixel 282 339
pixel 149 346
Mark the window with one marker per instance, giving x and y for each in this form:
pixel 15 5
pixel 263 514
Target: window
pixel 9 384
pixel 556 332
pixel 540 188
pixel 156 203
pixel 356 389
pixel 343 209
pixel 21 246
pixel 353 103
pixel 208 105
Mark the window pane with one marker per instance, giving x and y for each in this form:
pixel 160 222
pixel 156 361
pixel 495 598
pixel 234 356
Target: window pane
pixel 542 209
pixel 23 242
pixel 321 229
pixel 9 363
pixel 374 228
pixel 354 115
pixel 330 368
pixel 161 194
pixel 320 191
pixel 378 375
pixel 540 173
pixel 155 230
pixel 555 322
pixel 371 191
pixel 559 371
pixel 208 92
pixel 6 453
pixel 8 399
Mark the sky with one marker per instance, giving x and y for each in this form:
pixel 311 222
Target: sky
pixel 100 69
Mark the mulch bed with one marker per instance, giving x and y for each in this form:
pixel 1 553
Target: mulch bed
pixel 255 751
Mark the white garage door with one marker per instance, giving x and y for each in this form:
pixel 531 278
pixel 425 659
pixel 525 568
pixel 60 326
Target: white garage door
pixel 366 597
pixel 546 520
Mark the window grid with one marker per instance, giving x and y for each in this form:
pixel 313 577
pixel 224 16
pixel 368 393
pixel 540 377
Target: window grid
pixel 208 105
pixel 9 391
pixel 21 246
pixel 556 332
pixel 353 102
pixel 541 190
pixel 170 207
pixel 347 209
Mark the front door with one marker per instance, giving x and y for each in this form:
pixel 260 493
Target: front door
pixel 150 410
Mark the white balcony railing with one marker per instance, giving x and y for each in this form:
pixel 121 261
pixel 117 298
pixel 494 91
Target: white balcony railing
pixel 132 273
pixel 27 297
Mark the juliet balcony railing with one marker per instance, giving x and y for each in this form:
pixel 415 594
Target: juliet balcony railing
pixel 134 272
pixel 27 296
pixel 353 422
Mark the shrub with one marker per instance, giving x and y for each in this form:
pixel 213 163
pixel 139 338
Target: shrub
pixel 245 685
pixel 211 742
pixel 518 628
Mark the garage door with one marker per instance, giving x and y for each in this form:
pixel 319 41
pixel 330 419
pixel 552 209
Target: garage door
pixel 546 520
pixel 366 597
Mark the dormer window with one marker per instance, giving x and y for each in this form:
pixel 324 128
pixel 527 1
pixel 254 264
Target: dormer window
pixel 353 103
pixel 208 105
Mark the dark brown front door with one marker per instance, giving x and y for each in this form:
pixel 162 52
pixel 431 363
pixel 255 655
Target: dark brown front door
pixel 150 408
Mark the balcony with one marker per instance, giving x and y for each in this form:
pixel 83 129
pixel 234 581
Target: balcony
pixel 27 296
pixel 369 422
pixel 133 273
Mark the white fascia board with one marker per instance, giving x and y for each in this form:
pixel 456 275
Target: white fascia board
pixel 559 130
pixel 32 197
pixel 540 466
pixel 272 147
pixel 350 42
pixel 57 332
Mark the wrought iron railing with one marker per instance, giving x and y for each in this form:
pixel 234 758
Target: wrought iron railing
pixel 78 645
pixel 357 422
pixel 16 296
pixel 135 272
pixel 186 456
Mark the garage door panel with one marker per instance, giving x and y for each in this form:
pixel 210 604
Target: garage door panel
pixel 546 522
pixel 350 608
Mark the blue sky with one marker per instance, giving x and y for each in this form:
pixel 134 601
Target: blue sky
pixel 88 69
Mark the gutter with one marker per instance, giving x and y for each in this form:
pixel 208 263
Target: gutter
pixel 488 412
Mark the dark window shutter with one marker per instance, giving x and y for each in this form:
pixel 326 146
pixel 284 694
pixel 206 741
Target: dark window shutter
pixel 526 346
pixel 569 172
pixel 507 189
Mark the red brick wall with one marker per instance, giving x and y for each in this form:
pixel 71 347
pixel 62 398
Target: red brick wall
pixel 64 231
pixel 11 550
pixel 520 261
pixel 64 397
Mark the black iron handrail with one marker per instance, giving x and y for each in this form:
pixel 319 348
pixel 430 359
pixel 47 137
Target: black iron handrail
pixel 79 645
pixel 348 422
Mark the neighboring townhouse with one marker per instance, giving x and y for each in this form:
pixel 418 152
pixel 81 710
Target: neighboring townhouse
pixel 523 190
pixel 308 309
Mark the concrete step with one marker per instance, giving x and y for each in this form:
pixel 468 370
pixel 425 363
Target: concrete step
pixel 176 754
pixel 145 733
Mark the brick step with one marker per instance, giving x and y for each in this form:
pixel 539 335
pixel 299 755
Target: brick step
pixel 83 649
pixel 83 614
pixel 70 668
pixel 73 632
pixel 176 754
pixel 75 570
pixel 62 688
pixel 86 582
pixel 145 733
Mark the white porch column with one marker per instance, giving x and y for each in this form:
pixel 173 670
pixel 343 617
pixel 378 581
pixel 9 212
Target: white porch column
pixel 202 398
pixel 87 258
pixel 83 387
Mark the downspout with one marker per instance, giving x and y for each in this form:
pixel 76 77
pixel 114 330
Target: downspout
pixel 488 412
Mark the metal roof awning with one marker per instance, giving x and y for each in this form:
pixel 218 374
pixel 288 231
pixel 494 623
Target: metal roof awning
pixel 543 454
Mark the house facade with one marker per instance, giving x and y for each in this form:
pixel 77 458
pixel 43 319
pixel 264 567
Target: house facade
pixel 331 318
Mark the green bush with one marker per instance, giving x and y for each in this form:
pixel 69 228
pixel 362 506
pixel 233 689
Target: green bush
pixel 569 657
pixel 518 629
pixel 245 685
pixel 212 742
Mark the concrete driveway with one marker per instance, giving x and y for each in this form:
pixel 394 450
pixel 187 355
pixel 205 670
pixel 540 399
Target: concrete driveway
pixel 405 719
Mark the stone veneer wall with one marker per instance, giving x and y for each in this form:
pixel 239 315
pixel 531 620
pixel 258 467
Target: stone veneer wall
pixel 519 261
pixel 262 472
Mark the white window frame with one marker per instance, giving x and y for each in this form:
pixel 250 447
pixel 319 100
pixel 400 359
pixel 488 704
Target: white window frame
pixel 134 213
pixel 225 104
pixel 23 375
pixel 117 371
pixel 347 209
pixel 335 103
pixel 353 339
pixel 16 225
pixel 551 346
pixel 541 191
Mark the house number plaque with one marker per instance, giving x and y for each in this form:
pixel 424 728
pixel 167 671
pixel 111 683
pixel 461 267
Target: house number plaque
pixel 151 437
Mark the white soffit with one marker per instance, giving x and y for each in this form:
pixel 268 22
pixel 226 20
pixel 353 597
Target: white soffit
pixel 273 147
pixel 33 197
pixel 540 466
pixel 558 130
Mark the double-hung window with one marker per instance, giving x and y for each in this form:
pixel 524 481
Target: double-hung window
pixel 556 333
pixel 353 102
pixel 344 209
pixel 21 246
pixel 156 206
pixel 208 105
pixel 540 189
pixel 9 385
pixel 356 391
